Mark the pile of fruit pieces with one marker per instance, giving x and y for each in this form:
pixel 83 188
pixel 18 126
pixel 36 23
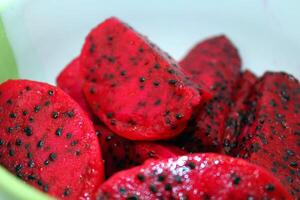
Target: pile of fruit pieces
pixel 128 122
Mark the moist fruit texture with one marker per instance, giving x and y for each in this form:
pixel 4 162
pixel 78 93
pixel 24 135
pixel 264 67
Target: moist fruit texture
pixel 197 176
pixel 48 141
pixel 137 90
pixel 271 137
pixel 120 153
pixel 215 62
pixel 71 81
pixel 238 111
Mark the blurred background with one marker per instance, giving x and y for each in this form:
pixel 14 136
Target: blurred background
pixel 45 35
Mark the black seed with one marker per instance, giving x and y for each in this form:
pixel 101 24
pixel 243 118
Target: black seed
pixel 39 182
pixel 71 114
pixel 255 147
pixel 12 115
pixel 236 179
pixel 156 83
pixel 30 163
pixel 37 109
pixel 55 115
pixel 178 179
pixel 77 152
pixel 157 102
pixel 74 143
pixel 69 135
pixel 40 144
pixel 109 115
pixel 142 79
pixel 133 197
pixel 67 192
pixel 151 154
pixel 18 142
pixel 58 132
pixel 9 101
pixel 9 130
pixel 24 112
pixel 157 66
pixel 153 188
pixel 92 90
pixel 111 59
pixel 28 131
pixel 293 164
pixel 47 103
pixel 172 82
pixel 285 95
pixel 290 152
pixel 11 152
pixel 108 138
pixel 141 177
pixel 161 178
pixel 113 122
pixel 179 116
pixel 52 156
pixel 18 168
pixel 270 187
pixel 123 73
pixel 168 187
pixel 122 190
pixel 31 177
pixel 29 155
pixel 45 188
pixel 50 92
pixel 46 162
pixel 110 38
pixel 31 119
pixel 27 88
pixel 272 103
pixel 171 71
pixel 1 142
pixel 191 165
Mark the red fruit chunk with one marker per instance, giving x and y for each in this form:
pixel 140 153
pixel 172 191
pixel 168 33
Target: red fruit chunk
pixel 215 62
pixel 47 140
pixel 271 137
pixel 120 153
pixel 194 177
pixel 236 118
pixel 137 90
pixel 71 81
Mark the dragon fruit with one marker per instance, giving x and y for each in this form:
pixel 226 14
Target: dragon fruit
pixel 238 111
pixel 120 153
pixel 47 140
pixel 271 136
pixel 70 81
pixel 215 62
pixel 193 177
pixel 137 90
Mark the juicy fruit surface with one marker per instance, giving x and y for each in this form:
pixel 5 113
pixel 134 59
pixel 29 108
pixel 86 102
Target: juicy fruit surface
pixel 48 141
pixel 71 81
pixel 238 111
pixel 120 153
pixel 271 137
pixel 215 62
pixel 197 176
pixel 133 87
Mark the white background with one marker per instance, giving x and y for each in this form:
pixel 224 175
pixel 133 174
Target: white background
pixel 46 35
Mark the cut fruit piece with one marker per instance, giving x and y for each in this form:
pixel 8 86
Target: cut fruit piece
pixel 71 81
pixel 197 176
pixel 120 153
pixel 47 140
pixel 271 137
pixel 216 63
pixel 137 90
pixel 238 111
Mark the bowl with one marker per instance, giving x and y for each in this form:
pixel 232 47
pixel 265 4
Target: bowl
pixel 38 38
